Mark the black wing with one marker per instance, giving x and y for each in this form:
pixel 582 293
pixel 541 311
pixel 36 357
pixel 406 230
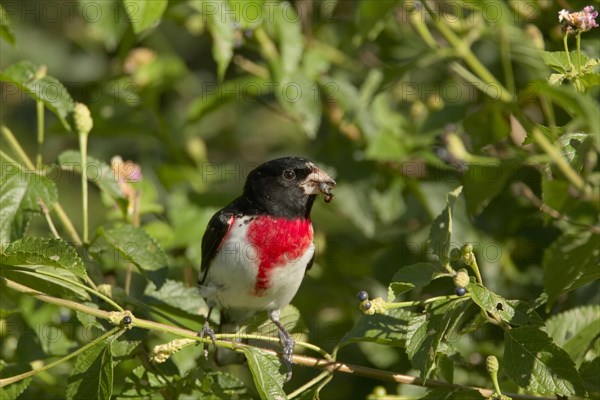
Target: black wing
pixel 217 228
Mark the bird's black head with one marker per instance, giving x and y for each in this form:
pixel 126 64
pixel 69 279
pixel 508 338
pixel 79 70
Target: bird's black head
pixel 285 187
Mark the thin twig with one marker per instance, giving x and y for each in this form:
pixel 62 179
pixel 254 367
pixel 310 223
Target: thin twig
pixel 521 189
pixel 46 213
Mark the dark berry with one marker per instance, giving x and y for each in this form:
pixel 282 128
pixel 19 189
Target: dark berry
pixel 126 320
pixel 362 295
pixel 367 305
pixel 460 291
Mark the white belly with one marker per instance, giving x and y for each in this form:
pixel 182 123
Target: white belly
pixel 231 282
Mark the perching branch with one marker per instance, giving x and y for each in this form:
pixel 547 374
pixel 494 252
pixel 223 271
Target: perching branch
pixel 116 318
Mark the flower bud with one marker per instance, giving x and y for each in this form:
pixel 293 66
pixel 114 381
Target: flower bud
pixel 461 279
pixel 83 119
pixel 492 365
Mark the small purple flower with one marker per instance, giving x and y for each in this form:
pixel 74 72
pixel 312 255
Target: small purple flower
pixel 581 21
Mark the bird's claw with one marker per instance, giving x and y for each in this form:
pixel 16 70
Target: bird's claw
pixel 288 345
pixel 207 331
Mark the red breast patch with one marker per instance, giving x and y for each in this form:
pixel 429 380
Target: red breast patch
pixel 276 242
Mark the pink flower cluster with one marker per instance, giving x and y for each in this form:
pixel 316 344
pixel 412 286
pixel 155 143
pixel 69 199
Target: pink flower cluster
pixel 581 21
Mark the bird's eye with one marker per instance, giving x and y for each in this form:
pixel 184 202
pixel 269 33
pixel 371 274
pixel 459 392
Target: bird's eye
pixel 289 174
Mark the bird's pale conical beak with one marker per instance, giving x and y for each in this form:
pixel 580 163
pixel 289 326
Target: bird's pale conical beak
pixel 317 182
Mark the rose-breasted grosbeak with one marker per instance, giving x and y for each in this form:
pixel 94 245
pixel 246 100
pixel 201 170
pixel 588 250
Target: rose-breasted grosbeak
pixel 256 250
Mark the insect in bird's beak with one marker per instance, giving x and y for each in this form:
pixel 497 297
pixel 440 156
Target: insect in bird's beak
pixel 317 182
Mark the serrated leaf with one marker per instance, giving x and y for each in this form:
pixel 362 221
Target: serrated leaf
pixel 441 228
pixel 265 373
pixel 575 329
pixel 43 251
pixel 46 89
pixel 514 312
pixel 415 276
pixel 571 261
pixel 144 14
pixel 6 31
pixel 46 284
pixel 557 60
pixel 92 375
pixel 388 328
pixel 99 172
pixel 538 365
pixel 19 192
pixel 14 390
pixel 222 29
pixel 136 246
pixel 425 334
pixel 175 294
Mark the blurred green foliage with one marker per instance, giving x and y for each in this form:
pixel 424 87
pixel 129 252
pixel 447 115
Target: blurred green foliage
pixel 402 101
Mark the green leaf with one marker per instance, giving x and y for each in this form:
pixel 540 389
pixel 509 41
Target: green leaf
pixel 248 13
pixel 558 60
pixel 218 95
pixel 425 333
pixel 289 317
pixel 299 96
pixel 99 172
pixel 144 14
pixel 415 276
pixel 538 365
pixel 92 375
pixel 571 261
pixel 14 390
pixel 177 295
pixel 19 193
pixel 6 31
pixel 514 312
pixel 46 284
pixel 371 17
pixel 489 125
pixel 46 89
pixel 575 329
pixel 441 228
pixel 136 246
pixel 108 17
pixel 483 183
pixel 44 252
pixel 266 375
pixel 582 108
pixel 389 328
pixel 222 29
pixel 289 38
pixel 590 371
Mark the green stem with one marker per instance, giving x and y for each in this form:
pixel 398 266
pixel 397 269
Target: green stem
pixel 40 133
pixel 555 155
pixel 16 148
pixel 566 44
pixel 509 76
pixel 578 39
pixel 416 303
pixel 309 384
pixel 465 52
pixel 20 153
pixel 306 345
pixel 83 138
pixel 494 377
pixel 12 379
pixel 49 221
pixel 475 268
pixel 9 159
